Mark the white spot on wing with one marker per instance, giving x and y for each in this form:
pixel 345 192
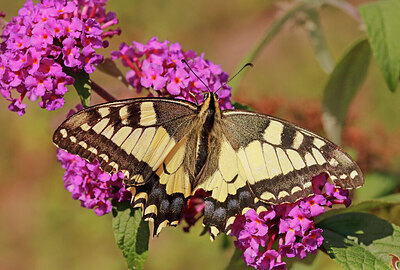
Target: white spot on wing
pixel 64 133
pixel 104 111
pixel 85 127
pixel 283 194
pixel 318 142
pixel 104 157
pixel 83 144
pixel 267 196
pixel 295 189
pixel 353 174
pixel 93 150
pixel 333 162
pixel 307 185
pixel 124 114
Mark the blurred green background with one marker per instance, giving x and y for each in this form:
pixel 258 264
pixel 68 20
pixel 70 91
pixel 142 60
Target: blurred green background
pixel 43 228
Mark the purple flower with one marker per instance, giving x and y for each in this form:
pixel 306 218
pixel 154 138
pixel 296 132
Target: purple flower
pixel 267 259
pixel 313 240
pixel 158 65
pixel 17 106
pixel 255 225
pixel 314 205
pixel 193 209
pixel 45 38
pixel 291 224
pixel 151 76
pixel 91 185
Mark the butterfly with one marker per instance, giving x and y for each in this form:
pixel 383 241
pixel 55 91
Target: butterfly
pixel 168 149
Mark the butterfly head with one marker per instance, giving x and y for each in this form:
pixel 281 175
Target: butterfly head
pixel 210 104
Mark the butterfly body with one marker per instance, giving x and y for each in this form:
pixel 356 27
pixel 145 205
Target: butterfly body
pixel 168 149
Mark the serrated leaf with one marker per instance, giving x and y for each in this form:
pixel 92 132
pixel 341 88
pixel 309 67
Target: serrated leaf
pixel 367 205
pixel 82 85
pixel 382 21
pixel 322 52
pixel 109 67
pixel 360 241
pixel 343 84
pixel 131 233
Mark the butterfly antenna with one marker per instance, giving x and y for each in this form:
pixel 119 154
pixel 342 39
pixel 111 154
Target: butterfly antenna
pixel 240 70
pixel 194 96
pixel 186 63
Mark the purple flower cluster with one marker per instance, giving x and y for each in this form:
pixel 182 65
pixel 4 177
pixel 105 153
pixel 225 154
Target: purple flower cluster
pixel 292 225
pixel 194 208
pixel 45 39
pixel 158 65
pixel 91 185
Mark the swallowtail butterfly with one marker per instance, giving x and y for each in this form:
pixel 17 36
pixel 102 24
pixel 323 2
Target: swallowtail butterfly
pixel 168 149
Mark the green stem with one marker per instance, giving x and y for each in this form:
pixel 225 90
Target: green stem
pixel 268 36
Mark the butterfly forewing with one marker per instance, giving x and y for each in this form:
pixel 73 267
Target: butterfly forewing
pixel 133 136
pixel 280 158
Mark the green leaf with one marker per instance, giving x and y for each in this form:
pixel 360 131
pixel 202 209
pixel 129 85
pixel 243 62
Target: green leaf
pixel 109 67
pixel 322 52
pixel 236 262
pixel 360 241
pixel 376 185
pixel 241 106
pixel 131 233
pixel 343 84
pixel 82 85
pixel 382 21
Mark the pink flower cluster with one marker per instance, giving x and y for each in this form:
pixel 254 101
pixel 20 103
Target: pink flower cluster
pixel 158 65
pixel 292 225
pixel 43 41
pixel 91 185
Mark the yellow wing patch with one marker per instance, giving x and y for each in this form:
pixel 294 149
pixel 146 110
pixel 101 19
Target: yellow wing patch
pixel 229 176
pixel 172 173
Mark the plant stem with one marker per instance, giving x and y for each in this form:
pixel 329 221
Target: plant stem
pixel 101 92
pixel 268 36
